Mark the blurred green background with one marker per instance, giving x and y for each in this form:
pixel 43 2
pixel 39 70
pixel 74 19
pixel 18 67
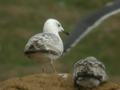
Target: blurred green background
pixel 20 19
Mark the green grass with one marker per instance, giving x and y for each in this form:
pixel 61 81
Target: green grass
pixel 20 19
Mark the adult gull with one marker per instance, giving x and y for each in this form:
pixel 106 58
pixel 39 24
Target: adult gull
pixel 47 46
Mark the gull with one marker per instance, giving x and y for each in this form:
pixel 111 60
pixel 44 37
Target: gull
pixel 47 46
pixel 89 73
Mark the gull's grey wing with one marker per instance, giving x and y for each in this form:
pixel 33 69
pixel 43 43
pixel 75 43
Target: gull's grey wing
pixel 44 42
pixel 90 22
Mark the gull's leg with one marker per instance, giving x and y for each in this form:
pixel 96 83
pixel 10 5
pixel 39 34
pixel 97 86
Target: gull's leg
pixel 46 68
pixel 42 68
pixel 52 63
pixel 53 67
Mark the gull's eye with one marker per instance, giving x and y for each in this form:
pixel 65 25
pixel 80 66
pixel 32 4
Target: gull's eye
pixel 59 25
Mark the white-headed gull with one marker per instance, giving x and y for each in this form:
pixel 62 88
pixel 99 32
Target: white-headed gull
pixel 46 46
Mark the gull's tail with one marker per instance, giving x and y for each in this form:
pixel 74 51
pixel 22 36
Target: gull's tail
pixel 90 22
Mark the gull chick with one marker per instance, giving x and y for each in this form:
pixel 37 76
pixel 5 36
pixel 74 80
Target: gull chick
pixel 89 73
pixel 47 46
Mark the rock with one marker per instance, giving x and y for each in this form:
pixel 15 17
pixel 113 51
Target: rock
pixel 50 82
pixel 89 73
pixel 39 82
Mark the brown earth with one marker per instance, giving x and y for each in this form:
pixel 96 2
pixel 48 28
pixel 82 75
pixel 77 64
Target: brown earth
pixel 49 82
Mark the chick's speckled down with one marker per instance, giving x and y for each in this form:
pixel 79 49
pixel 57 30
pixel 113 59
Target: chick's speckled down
pixel 89 72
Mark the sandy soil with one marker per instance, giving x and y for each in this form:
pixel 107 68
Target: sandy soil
pixel 48 82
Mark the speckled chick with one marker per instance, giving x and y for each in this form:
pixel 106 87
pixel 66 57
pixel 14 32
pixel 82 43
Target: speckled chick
pixel 89 73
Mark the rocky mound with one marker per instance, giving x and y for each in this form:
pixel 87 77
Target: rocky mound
pixel 48 82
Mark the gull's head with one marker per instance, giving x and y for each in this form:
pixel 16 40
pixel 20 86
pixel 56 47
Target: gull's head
pixel 53 26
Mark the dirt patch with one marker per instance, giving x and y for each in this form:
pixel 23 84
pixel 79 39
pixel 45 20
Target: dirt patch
pixel 48 82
